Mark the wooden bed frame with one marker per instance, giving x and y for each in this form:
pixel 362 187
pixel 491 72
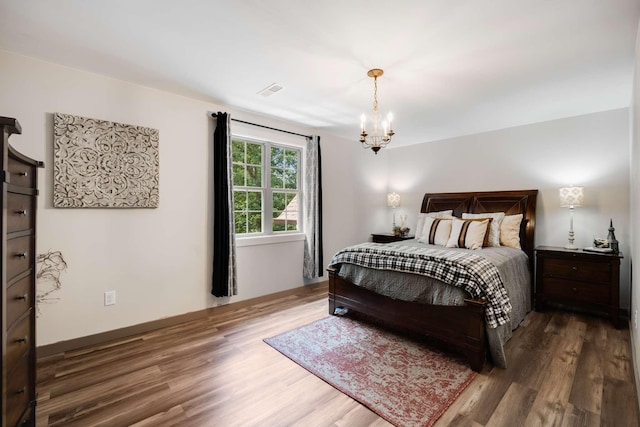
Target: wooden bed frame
pixel 460 328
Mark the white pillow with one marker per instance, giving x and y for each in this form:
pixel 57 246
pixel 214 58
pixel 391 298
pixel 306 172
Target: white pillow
pixel 494 227
pixel 436 231
pixel 421 216
pixel 468 233
pixel 510 231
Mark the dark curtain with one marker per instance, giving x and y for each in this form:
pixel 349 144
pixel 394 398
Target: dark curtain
pixel 224 258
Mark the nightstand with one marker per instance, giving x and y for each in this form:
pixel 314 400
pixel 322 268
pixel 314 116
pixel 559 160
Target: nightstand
pixel 578 278
pixel 389 238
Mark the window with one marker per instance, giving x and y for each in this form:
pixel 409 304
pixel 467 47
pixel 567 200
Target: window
pixel 266 190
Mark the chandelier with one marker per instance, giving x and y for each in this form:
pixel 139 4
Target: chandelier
pixel 382 130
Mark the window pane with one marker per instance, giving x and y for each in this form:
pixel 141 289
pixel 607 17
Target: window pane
pixel 279 226
pixel 254 176
pixel 238 175
pixel 277 180
pixel 277 157
pixel 292 226
pixel 237 151
pixel 240 200
pixel 279 201
pixel 254 154
pixel 255 222
pixel 241 222
pixel 291 159
pixel 254 201
pixel 291 180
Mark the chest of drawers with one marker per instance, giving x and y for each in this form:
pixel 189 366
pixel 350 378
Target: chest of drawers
pixel 579 279
pixel 19 202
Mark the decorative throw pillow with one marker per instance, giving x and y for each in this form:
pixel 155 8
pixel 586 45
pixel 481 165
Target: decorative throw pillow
pixel 494 227
pixel 436 231
pixel 510 231
pixel 468 233
pixel 421 216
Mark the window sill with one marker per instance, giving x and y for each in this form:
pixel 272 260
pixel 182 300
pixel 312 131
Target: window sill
pixel 268 240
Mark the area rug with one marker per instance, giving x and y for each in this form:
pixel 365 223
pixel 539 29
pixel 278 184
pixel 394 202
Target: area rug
pixel 401 380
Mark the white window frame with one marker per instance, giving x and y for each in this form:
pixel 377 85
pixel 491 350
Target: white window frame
pixel 268 236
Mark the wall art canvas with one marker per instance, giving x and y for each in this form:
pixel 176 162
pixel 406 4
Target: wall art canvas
pixel 102 164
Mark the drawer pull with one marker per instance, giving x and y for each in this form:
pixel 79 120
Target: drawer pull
pixel 574 289
pixel 22 212
pixel 23 390
pixel 22 255
pixel 22 297
pixel 22 174
pixel 574 268
pixel 22 340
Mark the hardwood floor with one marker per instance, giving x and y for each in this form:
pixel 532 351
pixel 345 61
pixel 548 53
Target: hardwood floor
pixel 565 369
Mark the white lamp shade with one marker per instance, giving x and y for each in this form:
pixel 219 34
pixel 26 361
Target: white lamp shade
pixel 393 200
pixel 571 197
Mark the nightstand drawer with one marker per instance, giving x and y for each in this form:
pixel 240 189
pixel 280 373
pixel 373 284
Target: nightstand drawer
pixel 592 293
pixel 578 269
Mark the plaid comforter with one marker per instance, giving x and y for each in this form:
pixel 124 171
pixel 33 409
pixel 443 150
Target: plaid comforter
pixel 473 273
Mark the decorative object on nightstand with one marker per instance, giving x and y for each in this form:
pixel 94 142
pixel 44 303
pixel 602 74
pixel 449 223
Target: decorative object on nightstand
pixel 393 201
pixel 608 245
pixel 389 237
pixel 611 238
pixel 577 278
pixel 571 197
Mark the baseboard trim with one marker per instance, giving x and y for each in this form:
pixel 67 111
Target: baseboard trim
pixel 103 337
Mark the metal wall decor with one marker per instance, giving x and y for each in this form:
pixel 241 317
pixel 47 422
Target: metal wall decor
pixel 102 164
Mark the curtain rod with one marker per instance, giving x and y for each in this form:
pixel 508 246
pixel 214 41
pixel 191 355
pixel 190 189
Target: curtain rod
pixel 215 115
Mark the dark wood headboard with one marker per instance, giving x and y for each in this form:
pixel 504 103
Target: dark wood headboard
pixel 510 202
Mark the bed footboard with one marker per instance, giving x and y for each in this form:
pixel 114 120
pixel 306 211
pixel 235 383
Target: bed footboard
pixel 462 328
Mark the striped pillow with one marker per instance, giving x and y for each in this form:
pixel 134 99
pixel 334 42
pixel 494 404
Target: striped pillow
pixel 435 231
pixel 468 233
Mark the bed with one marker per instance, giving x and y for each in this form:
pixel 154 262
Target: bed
pixel 462 327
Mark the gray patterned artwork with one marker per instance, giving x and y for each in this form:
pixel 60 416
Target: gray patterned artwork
pixel 101 164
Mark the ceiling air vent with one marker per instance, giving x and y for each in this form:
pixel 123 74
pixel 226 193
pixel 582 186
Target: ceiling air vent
pixel 270 90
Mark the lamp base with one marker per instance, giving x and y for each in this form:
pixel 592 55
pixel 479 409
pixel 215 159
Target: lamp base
pixel 571 247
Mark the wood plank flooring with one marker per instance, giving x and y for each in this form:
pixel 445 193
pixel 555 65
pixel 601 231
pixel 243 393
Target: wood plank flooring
pixel 565 369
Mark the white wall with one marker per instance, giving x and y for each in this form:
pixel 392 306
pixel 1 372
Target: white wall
pixel 635 211
pixel 157 260
pixel 590 150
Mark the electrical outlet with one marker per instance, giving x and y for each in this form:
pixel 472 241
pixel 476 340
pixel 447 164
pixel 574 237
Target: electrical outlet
pixel 110 298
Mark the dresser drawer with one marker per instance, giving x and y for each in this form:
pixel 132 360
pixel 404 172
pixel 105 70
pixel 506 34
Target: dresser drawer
pixel 21 174
pixel 19 254
pixel 29 418
pixel 18 391
pixel 19 212
pixel 19 299
pixel 578 269
pixel 592 293
pixel 18 341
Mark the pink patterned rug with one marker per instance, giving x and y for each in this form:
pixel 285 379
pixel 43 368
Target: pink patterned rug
pixel 402 381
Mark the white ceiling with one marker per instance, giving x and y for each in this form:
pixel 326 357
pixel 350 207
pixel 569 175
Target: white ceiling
pixel 452 67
